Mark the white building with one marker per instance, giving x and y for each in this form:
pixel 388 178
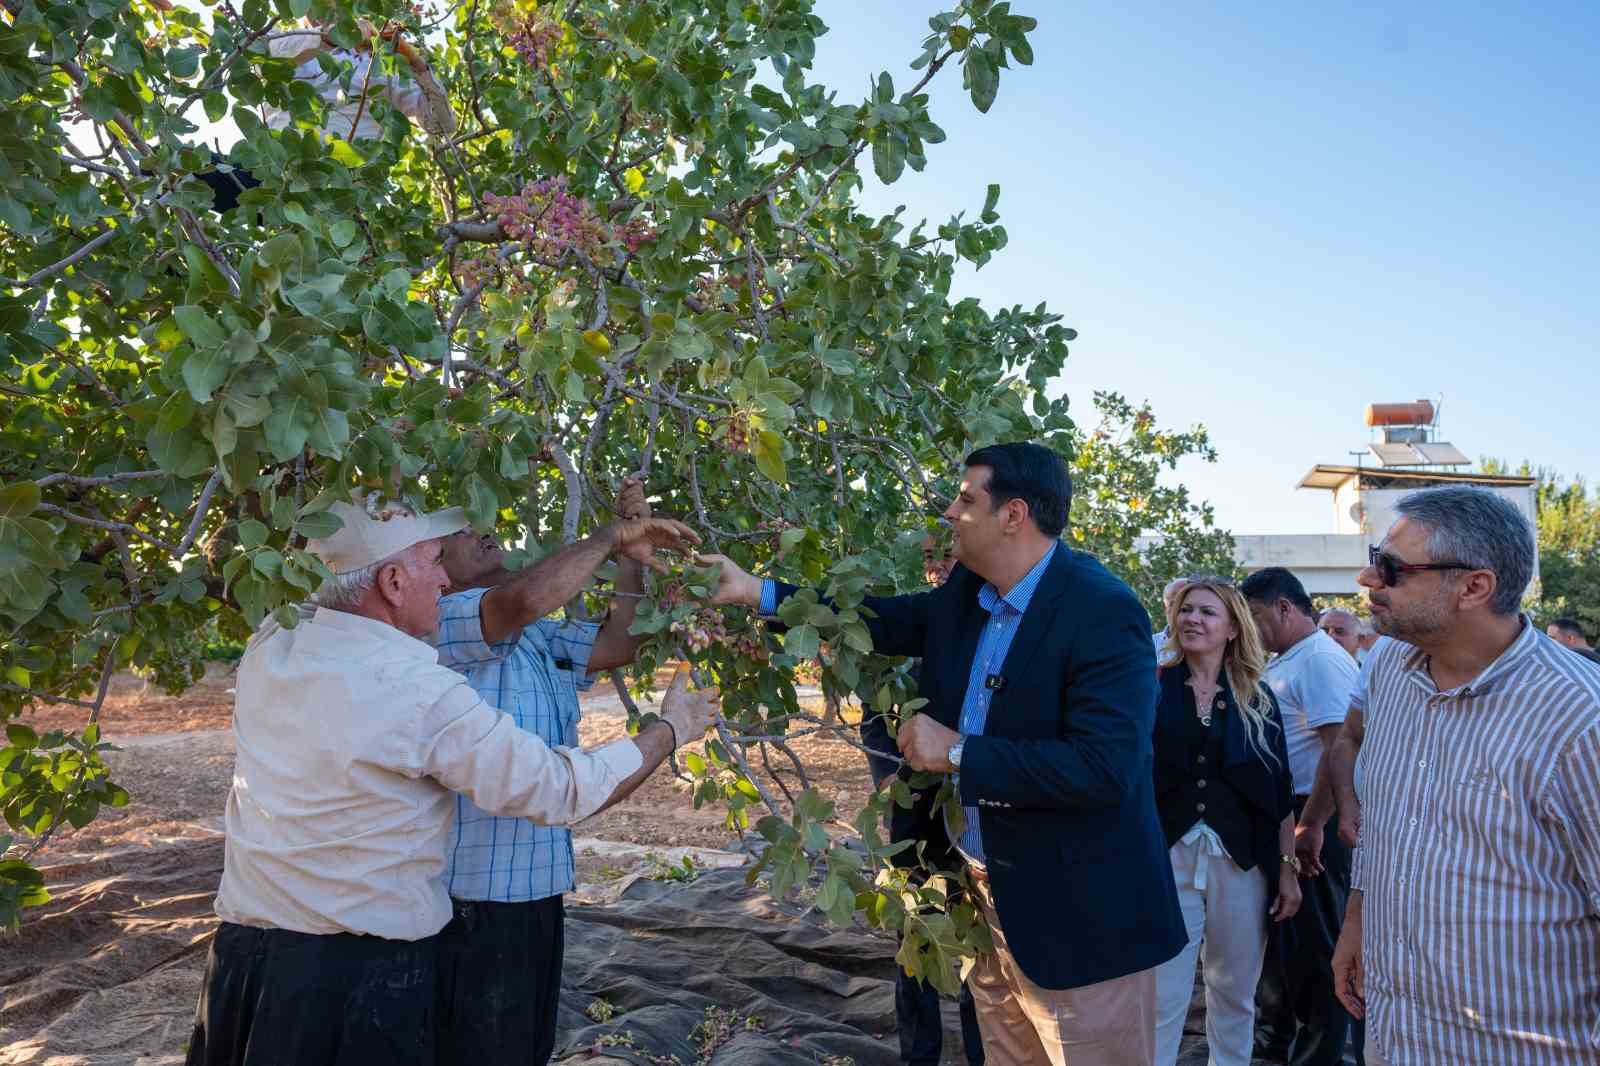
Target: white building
pixel 1363 510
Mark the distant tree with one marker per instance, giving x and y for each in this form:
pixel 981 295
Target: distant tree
pixel 1569 545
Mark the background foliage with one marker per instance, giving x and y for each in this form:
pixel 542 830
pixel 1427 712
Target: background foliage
pixel 639 251
pixel 1569 546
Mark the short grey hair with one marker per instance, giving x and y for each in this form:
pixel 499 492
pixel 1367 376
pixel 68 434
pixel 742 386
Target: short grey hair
pixel 1480 529
pixel 344 592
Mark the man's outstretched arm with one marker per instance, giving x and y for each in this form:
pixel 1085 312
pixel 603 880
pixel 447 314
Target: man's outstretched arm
pixel 898 624
pixel 541 588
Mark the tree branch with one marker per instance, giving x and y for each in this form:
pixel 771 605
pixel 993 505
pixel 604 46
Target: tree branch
pixel 55 268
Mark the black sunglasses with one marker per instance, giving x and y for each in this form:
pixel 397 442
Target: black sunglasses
pixel 1389 568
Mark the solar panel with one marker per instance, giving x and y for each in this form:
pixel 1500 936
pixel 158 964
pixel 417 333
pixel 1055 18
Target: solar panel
pixel 1396 454
pixel 1438 453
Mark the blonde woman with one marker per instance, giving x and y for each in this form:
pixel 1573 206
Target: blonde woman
pixel 1226 802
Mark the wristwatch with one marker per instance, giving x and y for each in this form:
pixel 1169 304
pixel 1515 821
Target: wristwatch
pixel 955 753
pixel 1292 861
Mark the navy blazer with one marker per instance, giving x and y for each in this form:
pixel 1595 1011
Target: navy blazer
pixel 1264 783
pixel 1062 772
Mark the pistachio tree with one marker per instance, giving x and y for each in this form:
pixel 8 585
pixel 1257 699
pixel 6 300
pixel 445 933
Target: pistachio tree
pixel 640 249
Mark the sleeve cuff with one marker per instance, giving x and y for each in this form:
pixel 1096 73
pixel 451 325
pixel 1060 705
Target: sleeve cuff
pixel 622 758
pixel 769 596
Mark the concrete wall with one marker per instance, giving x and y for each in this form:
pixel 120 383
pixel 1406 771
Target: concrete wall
pixel 1326 563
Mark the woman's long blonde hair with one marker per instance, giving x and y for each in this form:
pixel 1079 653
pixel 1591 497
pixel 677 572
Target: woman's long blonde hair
pixel 1244 659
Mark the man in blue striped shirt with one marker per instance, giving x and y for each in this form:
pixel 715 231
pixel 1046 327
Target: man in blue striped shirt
pixel 501 955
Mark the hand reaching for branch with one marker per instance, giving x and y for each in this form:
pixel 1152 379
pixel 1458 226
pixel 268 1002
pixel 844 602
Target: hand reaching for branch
pixel 734 584
pixel 637 539
pixel 689 713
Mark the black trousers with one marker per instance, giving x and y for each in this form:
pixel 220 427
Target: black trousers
pixel 916 1008
pixel 500 983
pixel 1297 1014
pixel 273 997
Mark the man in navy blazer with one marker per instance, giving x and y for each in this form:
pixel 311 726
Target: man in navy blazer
pixel 1041 682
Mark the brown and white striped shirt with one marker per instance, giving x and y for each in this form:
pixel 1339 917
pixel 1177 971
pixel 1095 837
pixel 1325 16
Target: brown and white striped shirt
pixel 1479 860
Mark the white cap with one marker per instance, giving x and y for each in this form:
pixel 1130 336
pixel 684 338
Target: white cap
pixel 372 533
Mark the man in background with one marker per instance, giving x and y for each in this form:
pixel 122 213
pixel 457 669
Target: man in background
pixel 1345 629
pixel 1313 677
pixel 1169 596
pixel 1568 632
pixel 916 1003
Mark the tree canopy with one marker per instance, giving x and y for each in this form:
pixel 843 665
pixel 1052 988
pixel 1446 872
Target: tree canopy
pixel 640 249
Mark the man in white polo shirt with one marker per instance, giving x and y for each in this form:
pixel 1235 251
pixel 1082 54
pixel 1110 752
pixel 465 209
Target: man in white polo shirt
pixel 352 742
pixel 1312 676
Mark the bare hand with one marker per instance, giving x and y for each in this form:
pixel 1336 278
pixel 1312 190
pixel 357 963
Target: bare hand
pixel 1349 977
pixel 926 744
pixel 735 585
pixel 630 498
pixel 1350 825
pixel 1308 849
pixel 1288 902
pixel 637 539
pixel 689 713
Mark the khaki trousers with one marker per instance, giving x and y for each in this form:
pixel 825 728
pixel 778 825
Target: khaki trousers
pixel 1112 1023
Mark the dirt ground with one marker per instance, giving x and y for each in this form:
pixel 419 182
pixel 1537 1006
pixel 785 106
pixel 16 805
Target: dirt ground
pixel 177 763
pixel 107 973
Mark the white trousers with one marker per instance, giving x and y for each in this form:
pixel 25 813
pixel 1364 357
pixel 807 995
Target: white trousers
pixel 1225 913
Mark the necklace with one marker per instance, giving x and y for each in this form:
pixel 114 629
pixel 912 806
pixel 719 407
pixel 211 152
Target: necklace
pixel 1202 704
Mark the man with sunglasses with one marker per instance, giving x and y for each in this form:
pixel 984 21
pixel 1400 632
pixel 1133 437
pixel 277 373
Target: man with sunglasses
pixel 1474 917
pixel 1299 1017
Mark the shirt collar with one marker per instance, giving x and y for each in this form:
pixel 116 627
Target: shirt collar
pixel 1416 663
pixel 1016 601
pixel 369 627
pixel 1304 644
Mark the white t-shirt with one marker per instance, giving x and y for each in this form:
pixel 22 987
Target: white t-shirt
pixel 1313 682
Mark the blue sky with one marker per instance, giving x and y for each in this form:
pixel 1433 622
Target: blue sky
pixel 1263 217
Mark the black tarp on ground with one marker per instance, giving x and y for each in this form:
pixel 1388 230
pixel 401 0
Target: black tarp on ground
pixel 666 952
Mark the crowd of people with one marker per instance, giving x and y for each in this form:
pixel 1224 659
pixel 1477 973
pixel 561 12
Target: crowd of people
pixel 1426 890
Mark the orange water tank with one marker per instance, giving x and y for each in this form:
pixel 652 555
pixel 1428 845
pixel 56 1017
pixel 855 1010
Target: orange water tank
pixel 1400 414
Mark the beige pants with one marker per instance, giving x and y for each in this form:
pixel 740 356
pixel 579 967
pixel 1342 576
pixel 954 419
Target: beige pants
pixel 1112 1023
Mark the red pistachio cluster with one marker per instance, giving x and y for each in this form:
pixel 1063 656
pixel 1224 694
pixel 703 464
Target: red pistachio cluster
pixel 534 35
pixel 548 218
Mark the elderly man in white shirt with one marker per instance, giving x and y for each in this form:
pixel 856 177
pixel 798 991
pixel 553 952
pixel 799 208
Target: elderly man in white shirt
pixel 352 742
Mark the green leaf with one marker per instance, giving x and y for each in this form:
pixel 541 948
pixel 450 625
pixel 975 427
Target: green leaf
pixel 319 526
pixel 344 154
pixel 18 500
pixel 21 736
pixel 216 106
pixel 802 642
pixel 483 505
pixel 252 534
pixel 204 371
pixel 769 456
pixel 199 327
pixel 983 79
pixel 342 232
pixel 888 154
